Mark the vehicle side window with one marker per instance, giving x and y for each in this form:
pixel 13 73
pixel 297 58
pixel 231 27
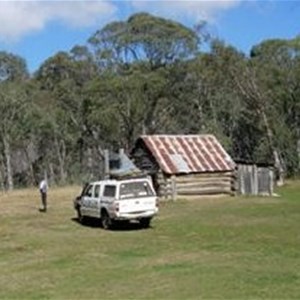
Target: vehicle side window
pixel 97 191
pixel 109 191
pixel 89 191
pixel 85 187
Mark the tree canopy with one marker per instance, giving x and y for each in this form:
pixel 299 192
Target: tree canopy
pixel 147 75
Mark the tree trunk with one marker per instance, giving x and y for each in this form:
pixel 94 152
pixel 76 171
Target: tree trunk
pixel 30 153
pixel 2 184
pixel 90 163
pixel 51 174
pixel 277 161
pixel 7 157
pixel 298 151
pixel 250 89
pixel 30 171
pixel 61 154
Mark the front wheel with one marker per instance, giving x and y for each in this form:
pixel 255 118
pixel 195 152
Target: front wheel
pixel 106 221
pixel 80 217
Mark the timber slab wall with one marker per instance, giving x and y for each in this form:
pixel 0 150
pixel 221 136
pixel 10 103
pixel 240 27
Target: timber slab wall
pixel 195 185
pixel 253 179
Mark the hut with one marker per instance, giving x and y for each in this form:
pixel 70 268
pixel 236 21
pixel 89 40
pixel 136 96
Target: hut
pixel 185 165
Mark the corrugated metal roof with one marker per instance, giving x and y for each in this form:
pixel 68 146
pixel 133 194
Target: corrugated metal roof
pixel 188 153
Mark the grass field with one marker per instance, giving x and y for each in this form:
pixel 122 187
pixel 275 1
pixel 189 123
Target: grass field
pixel 227 248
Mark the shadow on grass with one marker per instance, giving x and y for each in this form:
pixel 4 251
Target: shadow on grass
pixel 118 226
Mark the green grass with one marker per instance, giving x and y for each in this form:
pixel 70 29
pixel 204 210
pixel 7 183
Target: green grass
pixel 227 248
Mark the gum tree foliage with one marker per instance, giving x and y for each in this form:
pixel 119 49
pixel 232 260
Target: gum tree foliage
pixel 145 38
pixel 12 67
pixel 135 59
pixel 14 111
pixel 147 75
pixel 132 102
pixel 279 64
pixel 62 79
pixel 205 92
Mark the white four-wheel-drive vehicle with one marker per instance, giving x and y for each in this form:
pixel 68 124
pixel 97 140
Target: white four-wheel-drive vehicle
pixel 118 200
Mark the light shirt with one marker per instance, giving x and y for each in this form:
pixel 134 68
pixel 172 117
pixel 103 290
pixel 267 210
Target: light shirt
pixel 43 186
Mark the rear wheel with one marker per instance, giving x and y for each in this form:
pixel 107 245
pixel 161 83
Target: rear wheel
pixel 106 221
pixel 145 222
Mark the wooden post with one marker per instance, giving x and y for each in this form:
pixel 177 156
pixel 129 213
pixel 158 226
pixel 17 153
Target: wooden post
pixel 242 179
pixel 235 182
pixel 166 187
pixel 255 180
pixel 271 181
pixel 173 187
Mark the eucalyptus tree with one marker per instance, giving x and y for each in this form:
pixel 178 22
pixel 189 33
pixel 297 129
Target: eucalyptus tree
pixel 128 104
pixel 12 67
pixel 254 79
pixel 62 79
pixel 279 67
pixel 205 99
pixel 13 108
pixel 144 37
pixel 229 112
pixel 15 114
pixel 138 55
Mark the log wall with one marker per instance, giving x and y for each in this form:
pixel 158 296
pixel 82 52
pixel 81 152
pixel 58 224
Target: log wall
pixel 193 185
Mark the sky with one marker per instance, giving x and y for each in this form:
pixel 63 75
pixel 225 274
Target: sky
pixel 38 29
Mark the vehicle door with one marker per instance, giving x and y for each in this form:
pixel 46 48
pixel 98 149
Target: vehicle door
pixel 86 200
pixel 95 200
pixel 108 197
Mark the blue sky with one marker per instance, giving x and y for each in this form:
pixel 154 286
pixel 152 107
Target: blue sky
pixel 38 29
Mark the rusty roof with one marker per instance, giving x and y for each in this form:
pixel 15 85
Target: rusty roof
pixel 188 153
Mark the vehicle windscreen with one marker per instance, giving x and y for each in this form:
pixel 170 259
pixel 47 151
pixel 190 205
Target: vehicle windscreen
pixel 135 190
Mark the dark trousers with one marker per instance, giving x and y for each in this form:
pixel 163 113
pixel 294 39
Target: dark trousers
pixel 44 200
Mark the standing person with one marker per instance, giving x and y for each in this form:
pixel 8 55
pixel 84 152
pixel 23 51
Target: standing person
pixel 43 190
